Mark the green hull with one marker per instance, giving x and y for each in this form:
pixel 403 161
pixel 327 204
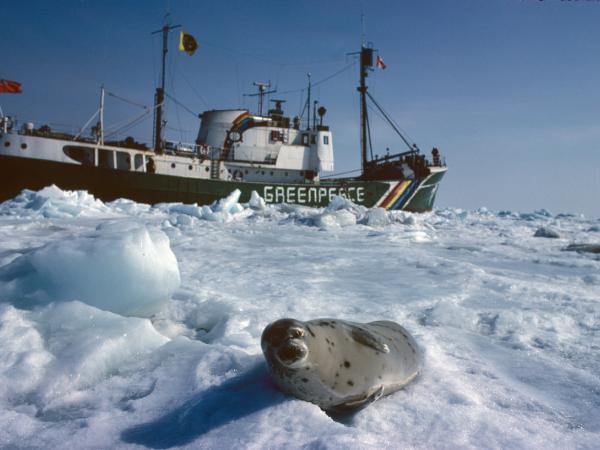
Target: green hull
pixel 17 174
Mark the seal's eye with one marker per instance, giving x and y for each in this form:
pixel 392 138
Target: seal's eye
pixel 296 333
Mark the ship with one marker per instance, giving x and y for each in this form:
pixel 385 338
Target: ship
pixel 283 159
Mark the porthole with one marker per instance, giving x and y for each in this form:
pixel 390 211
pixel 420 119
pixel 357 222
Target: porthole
pixel 7 144
pixel 190 167
pixel 172 165
pixel 23 146
pixel 206 168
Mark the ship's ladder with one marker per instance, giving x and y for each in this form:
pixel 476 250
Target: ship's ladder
pixel 215 166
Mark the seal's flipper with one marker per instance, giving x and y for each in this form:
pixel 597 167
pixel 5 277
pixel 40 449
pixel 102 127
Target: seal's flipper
pixel 353 404
pixel 367 338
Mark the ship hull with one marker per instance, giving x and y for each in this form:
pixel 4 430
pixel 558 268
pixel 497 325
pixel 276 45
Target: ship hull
pixel 18 173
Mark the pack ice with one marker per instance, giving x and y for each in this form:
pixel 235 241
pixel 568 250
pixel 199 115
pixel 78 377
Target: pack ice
pixel 121 266
pixel 125 325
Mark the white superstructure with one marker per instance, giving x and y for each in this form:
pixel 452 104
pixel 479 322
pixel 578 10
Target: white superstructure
pixel 231 145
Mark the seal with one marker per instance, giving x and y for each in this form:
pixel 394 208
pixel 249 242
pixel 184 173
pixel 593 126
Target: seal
pixel 338 365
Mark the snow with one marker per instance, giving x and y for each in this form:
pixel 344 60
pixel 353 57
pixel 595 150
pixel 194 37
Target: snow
pixel 122 266
pixel 546 232
pixel 124 325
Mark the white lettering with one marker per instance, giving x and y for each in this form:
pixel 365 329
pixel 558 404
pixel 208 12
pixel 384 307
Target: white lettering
pixel 291 195
pixel 352 193
pixel 279 194
pixel 311 195
pixel 332 193
pixel 302 195
pixel 267 194
pixel 360 194
pixel 322 193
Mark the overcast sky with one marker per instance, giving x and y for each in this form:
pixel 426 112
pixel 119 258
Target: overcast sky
pixel 507 89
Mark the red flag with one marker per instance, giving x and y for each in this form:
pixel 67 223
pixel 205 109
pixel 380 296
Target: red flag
pixel 10 87
pixel 379 63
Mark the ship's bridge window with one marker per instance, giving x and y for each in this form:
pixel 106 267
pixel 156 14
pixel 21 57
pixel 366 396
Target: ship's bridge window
pixel 106 159
pixel 138 161
pixel 325 139
pixel 84 155
pixel 276 136
pixel 305 139
pixel 123 161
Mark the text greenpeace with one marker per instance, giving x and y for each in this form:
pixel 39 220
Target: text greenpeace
pixel 311 195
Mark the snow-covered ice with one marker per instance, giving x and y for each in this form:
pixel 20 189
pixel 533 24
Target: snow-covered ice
pixel 124 325
pixel 121 266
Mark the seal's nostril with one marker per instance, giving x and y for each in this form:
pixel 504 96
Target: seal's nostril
pixel 296 333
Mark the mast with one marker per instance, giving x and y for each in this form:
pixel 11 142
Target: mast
pixel 308 101
pixel 262 91
pixel 159 97
pixel 366 61
pixel 102 115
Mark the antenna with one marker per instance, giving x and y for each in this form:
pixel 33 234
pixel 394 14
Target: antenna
pixel 362 28
pixel 278 106
pixel 262 91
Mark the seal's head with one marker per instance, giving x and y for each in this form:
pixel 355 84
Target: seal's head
pixel 283 343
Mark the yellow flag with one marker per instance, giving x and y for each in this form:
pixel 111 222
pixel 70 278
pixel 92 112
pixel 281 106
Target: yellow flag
pixel 187 43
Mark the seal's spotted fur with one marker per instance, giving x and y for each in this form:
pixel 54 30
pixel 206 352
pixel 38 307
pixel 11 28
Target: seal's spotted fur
pixel 340 365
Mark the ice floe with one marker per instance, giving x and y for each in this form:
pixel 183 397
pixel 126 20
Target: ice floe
pixel 510 324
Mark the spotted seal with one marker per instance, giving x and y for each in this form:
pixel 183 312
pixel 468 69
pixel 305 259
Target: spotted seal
pixel 338 365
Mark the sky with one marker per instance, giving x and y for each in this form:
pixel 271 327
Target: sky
pixel 506 89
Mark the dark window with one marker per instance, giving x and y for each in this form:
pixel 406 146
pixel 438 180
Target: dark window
pixel 7 144
pixel 313 139
pixel 172 165
pixel 286 174
pixel 262 172
pixel 138 161
pixel 23 146
pixel 207 169
pixel 190 167
pixel 84 155
pixel 150 165
pixel 271 173
pixel 246 171
pixel 123 161
pixel 326 140
pixel 106 159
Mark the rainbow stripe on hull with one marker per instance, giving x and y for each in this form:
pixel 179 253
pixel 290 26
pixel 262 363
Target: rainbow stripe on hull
pixel 398 194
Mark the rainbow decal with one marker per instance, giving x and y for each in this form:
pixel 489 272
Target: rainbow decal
pixel 242 123
pixel 398 195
